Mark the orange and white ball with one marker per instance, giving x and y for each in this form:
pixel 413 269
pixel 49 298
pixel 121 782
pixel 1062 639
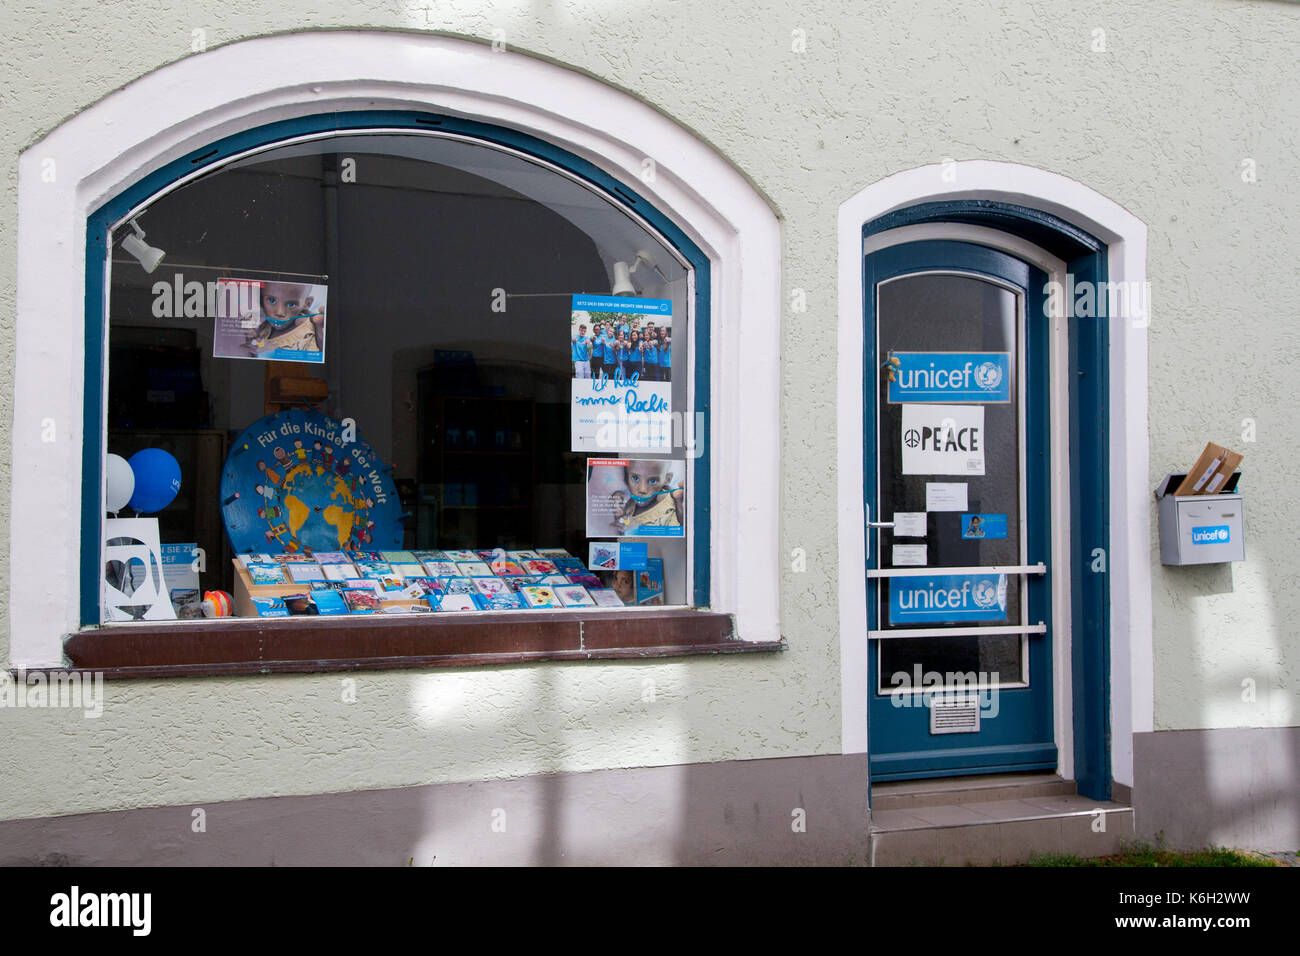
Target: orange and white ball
pixel 217 604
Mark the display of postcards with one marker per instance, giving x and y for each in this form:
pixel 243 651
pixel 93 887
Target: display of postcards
pixel 363 557
pixel 459 556
pixel 328 585
pixel 300 604
pixel 604 557
pixel 329 601
pixel 490 587
pixel 374 569
pixel 505 567
pixel 555 580
pixel 552 553
pixel 331 557
pixel 399 557
pixel 524 555
pixel 537 596
pixel 473 569
pixel 361 601
pixel 420 587
pixel 410 569
pixel 363 584
pixel 257 558
pixel 623 583
pixel 299 573
pixel 432 555
pixel 459 602
pixel 338 572
pixel 267 574
pixel 509 601
pixel 442 569
pixel 574 595
pixel 295 558
pixel 540 566
pixel 390 583
pixel 650 582
pixel 569 565
pixel 270 607
pixel 605 597
pixel 586 579
pixel 457 585
pixel 517 582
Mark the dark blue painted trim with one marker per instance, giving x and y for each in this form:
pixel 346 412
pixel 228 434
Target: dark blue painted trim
pixel 215 154
pixel 1086 258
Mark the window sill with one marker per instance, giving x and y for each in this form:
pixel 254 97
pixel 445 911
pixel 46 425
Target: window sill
pixel 313 645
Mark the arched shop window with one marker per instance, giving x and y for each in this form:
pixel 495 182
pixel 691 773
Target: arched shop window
pixel 393 365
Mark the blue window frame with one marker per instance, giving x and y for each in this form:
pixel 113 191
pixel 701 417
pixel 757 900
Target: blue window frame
pixel 211 156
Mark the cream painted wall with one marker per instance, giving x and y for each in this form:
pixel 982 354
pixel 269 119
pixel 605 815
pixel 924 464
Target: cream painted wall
pixel 1160 122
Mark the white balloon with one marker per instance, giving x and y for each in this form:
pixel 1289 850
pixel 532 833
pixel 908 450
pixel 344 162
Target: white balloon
pixel 121 483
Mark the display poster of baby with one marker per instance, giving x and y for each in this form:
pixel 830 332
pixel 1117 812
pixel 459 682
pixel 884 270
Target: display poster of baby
pixel 282 321
pixel 636 498
pixel 622 353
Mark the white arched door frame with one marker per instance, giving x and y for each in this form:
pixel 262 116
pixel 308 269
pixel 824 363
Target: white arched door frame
pixel 1131 677
pixel 170 112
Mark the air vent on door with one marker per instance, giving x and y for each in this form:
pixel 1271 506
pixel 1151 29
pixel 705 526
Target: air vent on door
pixel 954 715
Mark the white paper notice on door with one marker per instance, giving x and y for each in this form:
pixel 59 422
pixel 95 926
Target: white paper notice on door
pixel 945 496
pixel 909 555
pixel 909 524
pixel 943 439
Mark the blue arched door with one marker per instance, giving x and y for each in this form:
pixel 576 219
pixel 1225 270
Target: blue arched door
pixel 957 490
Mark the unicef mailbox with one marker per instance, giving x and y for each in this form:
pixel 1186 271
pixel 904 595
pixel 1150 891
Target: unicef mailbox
pixel 297 481
pixel 1201 529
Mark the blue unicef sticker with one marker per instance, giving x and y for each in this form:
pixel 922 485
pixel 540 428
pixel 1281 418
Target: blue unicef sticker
pixel 1211 534
pixel 951 377
pixel 946 598
pixel 975 527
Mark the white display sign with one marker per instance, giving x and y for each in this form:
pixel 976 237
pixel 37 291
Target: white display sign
pixel 945 496
pixel 943 440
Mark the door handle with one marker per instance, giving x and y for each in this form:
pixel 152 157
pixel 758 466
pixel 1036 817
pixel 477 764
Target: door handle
pixel 866 510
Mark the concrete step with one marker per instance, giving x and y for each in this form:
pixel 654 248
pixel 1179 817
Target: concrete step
pixel 948 791
pixel 1006 831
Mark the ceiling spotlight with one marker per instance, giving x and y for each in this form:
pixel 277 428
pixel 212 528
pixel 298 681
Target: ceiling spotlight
pixel 148 255
pixel 623 273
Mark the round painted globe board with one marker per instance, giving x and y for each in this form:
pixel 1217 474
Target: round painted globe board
pixel 293 483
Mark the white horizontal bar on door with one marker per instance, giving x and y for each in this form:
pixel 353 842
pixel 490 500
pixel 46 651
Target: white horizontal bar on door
pixel 1039 628
pixel 1038 568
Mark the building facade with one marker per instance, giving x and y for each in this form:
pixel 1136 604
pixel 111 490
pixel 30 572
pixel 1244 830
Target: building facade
pixel 947 292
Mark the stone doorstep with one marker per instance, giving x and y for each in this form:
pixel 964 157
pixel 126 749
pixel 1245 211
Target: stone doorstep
pixel 998 831
pixel 946 791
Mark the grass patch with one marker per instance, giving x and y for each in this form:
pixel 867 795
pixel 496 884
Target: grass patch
pixel 1141 853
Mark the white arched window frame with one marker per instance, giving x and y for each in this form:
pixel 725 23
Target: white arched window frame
pixel 171 112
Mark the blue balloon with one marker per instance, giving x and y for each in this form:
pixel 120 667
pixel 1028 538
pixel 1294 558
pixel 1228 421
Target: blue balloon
pixel 157 480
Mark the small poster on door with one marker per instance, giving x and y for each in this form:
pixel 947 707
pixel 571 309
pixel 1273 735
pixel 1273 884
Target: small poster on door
pixel 977 527
pixel 270 321
pixel 943 440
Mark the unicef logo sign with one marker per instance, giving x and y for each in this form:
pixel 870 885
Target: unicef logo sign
pixel 988 375
pixel 985 594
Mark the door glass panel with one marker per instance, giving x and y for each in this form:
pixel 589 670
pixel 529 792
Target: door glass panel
pixel 948 313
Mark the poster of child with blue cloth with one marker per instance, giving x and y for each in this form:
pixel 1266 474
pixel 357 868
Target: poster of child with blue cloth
pixel 282 321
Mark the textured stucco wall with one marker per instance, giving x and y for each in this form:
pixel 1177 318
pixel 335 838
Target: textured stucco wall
pixel 1160 122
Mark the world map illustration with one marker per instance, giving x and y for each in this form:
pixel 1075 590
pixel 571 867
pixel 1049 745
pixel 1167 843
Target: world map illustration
pixel 299 481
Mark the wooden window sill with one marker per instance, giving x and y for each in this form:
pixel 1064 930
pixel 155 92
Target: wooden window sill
pixel 313 644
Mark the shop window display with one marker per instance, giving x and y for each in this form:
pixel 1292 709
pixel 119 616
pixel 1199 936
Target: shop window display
pixel 380 373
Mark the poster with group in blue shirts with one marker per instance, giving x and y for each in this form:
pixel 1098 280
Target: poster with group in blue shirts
pixel 622 350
